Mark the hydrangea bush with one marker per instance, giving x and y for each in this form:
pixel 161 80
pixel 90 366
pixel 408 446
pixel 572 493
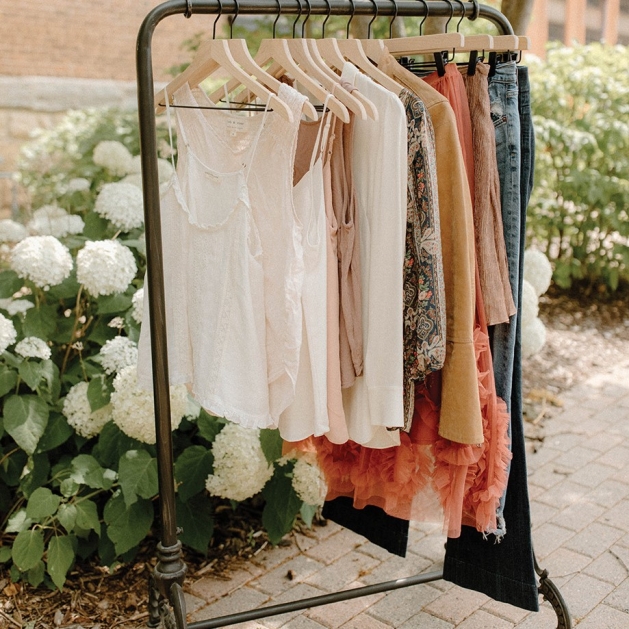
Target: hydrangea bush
pixel 78 467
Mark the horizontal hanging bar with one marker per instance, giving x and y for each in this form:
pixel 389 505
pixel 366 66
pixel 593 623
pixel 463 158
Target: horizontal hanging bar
pixel 315 601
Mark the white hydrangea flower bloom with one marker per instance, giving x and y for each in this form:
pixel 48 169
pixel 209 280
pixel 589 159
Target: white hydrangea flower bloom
pixel 33 347
pixel 164 169
pixel 530 303
pixel 537 270
pixel 118 353
pixel 8 333
pixel 114 156
pixel 12 231
pixel 78 184
pixel 134 179
pixel 137 305
pixel 77 410
pixel 132 407
pixel 240 467
pixel 43 260
pixel 533 337
pixel 121 203
pixel 105 267
pixel 51 220
pixel 309 483
pixel 16 306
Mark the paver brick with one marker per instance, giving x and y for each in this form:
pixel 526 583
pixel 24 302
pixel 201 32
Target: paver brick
pixel 579 515
pixel 398 606
pixel 617 457
pixel 604 617
pixel 577 457
pixel 211 588
pixel 594 540
pixel 583 593
pixel 336 576
pixel 609 493
pixel 604 441
pixel 611 566
pixel 457 604
pixel 287 574
pixel 619 598
pixel 364 621
pixel 618 516
pixel 592 474
pixel 425 621
pixel 563 562
pixel 549 537
pixel 302 622
pixel 297 593
pixel 545 617
pixel 397 568
pixel 541 512
pixel 241 600
pixel 335 546
pixel 506 612
pixel 482 620
pixel 333 616
pixel 563 494
pixel 546 476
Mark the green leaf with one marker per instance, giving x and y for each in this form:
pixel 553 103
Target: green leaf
pixel 88 471
pixel 38 467
pixel 10 283
pixel 35 575
pixel 281 508
pixel 98 393
pixel 68 289
pixel 101 333
pixel 127 526
pixel 12 466
pixel 8 380
pixel 137 475
pixel 110 304
pixel 112 444
pixel 195 518
pixel 308 513
pixel 18 522
pixel 42 503
pixel 40 322
pixel 69 487
pixel 25 419
pixel 271 443
pixel 87 515
pixel 5 553
pixel 96 228
pixel 28 549
pixel 209 426
pixel 67 515
pixel 192 468
pixel 57 431
pixel 60 557
pixel 33 372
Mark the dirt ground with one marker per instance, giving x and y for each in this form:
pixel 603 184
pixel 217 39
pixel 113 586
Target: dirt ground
pixel 584 336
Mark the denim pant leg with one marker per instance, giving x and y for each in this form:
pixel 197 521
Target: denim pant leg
pixel 503 95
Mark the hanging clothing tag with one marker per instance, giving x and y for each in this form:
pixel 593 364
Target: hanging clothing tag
pixel 234 126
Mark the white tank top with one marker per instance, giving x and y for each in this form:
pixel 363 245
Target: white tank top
pixel 225 298
pixel 308 414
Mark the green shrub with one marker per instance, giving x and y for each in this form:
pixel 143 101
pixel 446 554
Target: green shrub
pixel 78 475
pixel 578 213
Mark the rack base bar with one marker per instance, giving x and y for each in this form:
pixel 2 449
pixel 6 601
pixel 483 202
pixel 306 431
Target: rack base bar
pixel 316 601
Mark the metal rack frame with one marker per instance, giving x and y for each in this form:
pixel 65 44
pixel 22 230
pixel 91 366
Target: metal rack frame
pixel 165 589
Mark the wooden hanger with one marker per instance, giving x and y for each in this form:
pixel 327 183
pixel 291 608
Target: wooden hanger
pixel 212 55
pixel 510 42
pixel 477 42
pixel 423 44
pixel 353 51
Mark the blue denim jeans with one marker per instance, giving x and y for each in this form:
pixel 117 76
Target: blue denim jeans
pixel 503 96
pixel 505 571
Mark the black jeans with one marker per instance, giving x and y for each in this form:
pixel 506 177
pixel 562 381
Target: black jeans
pixel 505 571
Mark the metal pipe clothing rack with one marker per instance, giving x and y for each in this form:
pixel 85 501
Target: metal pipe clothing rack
pixel 166 589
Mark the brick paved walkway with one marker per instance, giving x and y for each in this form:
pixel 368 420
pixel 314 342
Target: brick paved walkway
pixel 579 488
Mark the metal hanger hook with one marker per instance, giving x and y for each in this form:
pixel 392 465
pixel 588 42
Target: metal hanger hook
pixel 458 24
pixel 375 15
pixel 188 12
pixel 233 20
pixel 451 14
pixel 475 11
pixel 351 17
pixel 395 10
pixel 297 18
pixel 218 17
pixel 303 24
pixel 279 15
pixel 327 17
pixel 426 14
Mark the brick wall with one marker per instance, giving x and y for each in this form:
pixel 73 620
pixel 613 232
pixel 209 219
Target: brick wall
pixel 87 38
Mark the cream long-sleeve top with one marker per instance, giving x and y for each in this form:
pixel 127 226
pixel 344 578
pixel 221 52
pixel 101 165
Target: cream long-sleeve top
pixel 375 402
pixel 460 419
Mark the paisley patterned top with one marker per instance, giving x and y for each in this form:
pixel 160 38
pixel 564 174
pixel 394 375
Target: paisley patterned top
pixel 424 295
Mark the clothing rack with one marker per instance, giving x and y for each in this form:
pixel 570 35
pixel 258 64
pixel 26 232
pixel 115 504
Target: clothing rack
pixel 167 606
